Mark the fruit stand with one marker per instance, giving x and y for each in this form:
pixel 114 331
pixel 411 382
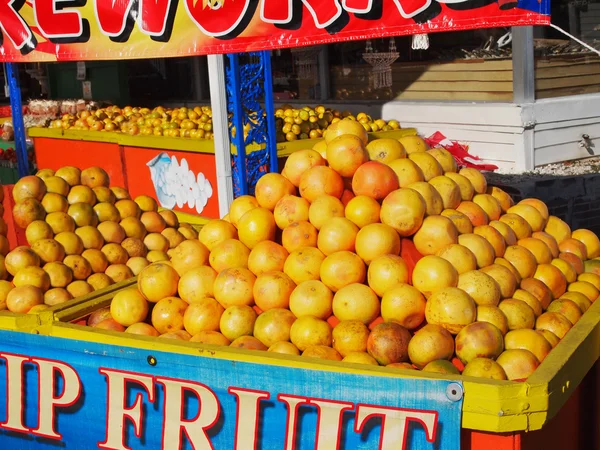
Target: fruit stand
pixel 363 254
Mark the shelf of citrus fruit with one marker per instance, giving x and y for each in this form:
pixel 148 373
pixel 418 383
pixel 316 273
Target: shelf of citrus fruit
pixel 196 123
pixel 378 253
pixel 82 236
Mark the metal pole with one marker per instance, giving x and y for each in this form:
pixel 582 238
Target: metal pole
pixel 12 72
pixel 218 98
pixel 270 111
pixel 238 123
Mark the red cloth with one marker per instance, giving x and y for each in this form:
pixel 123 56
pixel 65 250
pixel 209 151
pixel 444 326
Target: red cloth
pixel 459 151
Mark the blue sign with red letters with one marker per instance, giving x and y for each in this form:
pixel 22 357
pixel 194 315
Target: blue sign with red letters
pixel 70 394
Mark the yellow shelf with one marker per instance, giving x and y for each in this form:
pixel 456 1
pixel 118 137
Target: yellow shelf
pixel 284 149
pixel 489 405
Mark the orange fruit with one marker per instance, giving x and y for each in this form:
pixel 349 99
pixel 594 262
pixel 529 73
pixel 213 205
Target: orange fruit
pixel 579 299
pixel 459 256
pixel 435 233
pixel 345 154
pixel 362 210
pixel 448 190
pixel 538 289
pixel 375 180
pixel 461 222
pixel 518 224
pixel 430 167
pixel 558 229
pixel 494 237
pixel 451 308
pixel 403 210
pixel 228 254
pixel 504 277
pixel 388 343
pixel 341 269
pixel 273 326
pixel 430 343
pixel 503 198
pixel 474 212
pixel 237 321
pixel 299 162
pixel 571 245
pixel 549 241
pixel 197 284
pixel 566 268
pixel 273 290
pixel 157 281
pixel 215 232
pixel 385 150
pixel 322 352
pixel 567 308
pixel 290 209
pixel 591 278
pixel 484 368
pixel 406 171
pixel 378 239
pixel 518 364
pixel 298 235
pixel 466 188
pixel 482 288
pixel 267 256
pixel 189 255
pixel 128 307
pixel 493 315
pixel 324 208
pixel 308 330
pixel 320 180
pixel 350 336
pixel 360 358
pixel 479 339
pixel 433 200
pixel 445 158
pixel 385 272
pixel 22 298
pixel 304 264
pixel 311 298
pixel 270 188
pixel 586 289
pixel 530 299
pixel 481 248
pixel 337 234
pixel 413 144
pixel 476 178
pixel 356 302
pixel 240 206
pixel 234 287
pixel 574 260
pixel 522 260
pixel 518 313
pixel 555 323
pixel 552 277
pixel 510 238
pixel 286 348
pixel 404 305
pixel 528 340
pixel 167 315
pixel 489 204
pixel 432 273
pixel 530 214
pixel 537 247
pixel 537 204
pixel 590 240
pixel 255 226
pixel 346 127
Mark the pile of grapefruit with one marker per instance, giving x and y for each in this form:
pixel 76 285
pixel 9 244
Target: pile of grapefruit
pixel 82 236
pixel 381 253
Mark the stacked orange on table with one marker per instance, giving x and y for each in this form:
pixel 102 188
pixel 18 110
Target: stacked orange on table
pixel 382 253
pixel 82 236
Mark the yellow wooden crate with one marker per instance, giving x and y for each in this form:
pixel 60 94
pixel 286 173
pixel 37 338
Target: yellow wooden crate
pixel 489 405
pixel 284 149
pixel 27 322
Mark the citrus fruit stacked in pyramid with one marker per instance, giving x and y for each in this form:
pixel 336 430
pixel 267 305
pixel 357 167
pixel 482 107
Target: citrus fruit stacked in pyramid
pixel 82 236
pixel 379 253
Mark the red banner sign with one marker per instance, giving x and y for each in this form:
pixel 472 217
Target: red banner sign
pixel 48 30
